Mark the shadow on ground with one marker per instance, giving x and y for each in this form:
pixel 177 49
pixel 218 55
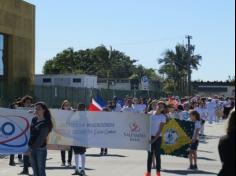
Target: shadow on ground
pixel 66 168
pixel 205 151
pixel 207 159
pixel 109 155
pixel 186 172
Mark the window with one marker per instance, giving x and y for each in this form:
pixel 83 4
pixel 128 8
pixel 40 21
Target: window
pixel 76 80
pixel 102 81
pixel 47 80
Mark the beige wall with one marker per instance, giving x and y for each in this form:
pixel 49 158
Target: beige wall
pixel 17 22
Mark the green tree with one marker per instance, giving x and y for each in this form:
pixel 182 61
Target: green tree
pixel 97 61
pixel 174 66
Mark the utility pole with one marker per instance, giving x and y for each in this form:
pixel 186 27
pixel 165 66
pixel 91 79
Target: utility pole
pixel 188 37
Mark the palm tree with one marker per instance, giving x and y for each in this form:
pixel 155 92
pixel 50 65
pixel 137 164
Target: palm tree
pixel 174 65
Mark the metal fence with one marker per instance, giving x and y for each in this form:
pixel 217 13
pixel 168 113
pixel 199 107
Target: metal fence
pixel 54 95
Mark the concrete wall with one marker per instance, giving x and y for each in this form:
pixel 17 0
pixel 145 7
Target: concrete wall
pixel 117 86
pixel 17 23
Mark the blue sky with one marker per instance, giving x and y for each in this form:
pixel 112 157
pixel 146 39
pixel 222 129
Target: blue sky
pixel 143 29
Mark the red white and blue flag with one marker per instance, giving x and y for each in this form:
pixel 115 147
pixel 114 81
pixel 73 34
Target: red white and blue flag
pixel 97 105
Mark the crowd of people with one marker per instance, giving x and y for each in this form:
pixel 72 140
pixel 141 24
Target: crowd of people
pixel 197 109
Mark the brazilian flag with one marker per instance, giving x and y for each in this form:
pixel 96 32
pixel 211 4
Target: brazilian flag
pixel 176 137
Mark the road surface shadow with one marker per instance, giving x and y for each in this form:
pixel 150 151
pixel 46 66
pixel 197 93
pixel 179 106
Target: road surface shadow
pixel 207 159
pixel 65 168
pixel 2 156
pixel 203 142
pixel 109 155
pixel 205 151
pixel 207 137
pixel 186 172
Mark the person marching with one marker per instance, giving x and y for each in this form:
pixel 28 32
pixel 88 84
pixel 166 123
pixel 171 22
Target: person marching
pixel 158 121
pixel 26 104
pixel 226 148
pixel 195 117
pixel 104 151
pixel 80 152
pixel 66 106
pixel 202 110
pixel 40 128
pixel 129 106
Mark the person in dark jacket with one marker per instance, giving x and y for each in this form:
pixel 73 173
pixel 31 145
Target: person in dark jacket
pixel 227 148
pixel 41 126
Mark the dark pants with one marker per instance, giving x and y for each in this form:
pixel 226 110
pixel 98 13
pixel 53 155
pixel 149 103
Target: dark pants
pixel 63 156
pixel 104 150
pixel 38 161
pixel 226 112
pixel 26 163
pixel 12 157
pixel 156 148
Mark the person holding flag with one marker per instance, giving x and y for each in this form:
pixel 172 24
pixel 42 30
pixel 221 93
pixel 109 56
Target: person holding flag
pixel 97 104
pixel 158 120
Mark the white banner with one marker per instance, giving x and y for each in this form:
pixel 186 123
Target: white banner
pixel 88 129
pixel 100 129
pixel 145 83
pixel 14 130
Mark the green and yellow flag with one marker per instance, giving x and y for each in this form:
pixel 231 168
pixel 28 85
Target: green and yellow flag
pixel 176 137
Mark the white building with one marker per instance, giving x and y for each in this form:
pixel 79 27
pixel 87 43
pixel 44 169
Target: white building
pixel 84 81
pixel 214 88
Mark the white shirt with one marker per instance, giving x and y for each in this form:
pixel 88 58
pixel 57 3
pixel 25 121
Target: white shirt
pixel 180 115
pixel 156 121
pixel 173 115
pixel 118 108
pixel 211 107
pixel 227 104
pixel 139 108
pixel 128 109
pixel 197 126
pixel 202 112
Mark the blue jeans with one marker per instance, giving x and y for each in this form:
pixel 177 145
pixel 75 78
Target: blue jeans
pixel 38 161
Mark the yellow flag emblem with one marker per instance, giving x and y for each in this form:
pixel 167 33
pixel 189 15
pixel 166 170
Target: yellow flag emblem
pixel 174 137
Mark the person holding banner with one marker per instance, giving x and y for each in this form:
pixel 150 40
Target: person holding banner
pixel 80 152
pixel 104 151
pixel 195 117
pixel 158 121
pixel 66 106
pixel 25 104
pixel 40 128
pixel 12 157
pixel 129 106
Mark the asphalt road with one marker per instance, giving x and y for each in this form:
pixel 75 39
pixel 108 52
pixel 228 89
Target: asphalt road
pixel 133 163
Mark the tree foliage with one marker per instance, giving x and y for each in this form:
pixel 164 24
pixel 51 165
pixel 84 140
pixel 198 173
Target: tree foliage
pixel 97 61
pixel 174 65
